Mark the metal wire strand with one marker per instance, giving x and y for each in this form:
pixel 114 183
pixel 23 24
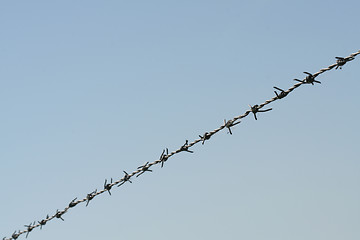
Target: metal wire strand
pixel 309 79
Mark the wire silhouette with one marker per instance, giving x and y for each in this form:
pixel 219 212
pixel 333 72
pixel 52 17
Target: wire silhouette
pixel 309 79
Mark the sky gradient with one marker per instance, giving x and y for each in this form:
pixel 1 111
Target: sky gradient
pixel 92 88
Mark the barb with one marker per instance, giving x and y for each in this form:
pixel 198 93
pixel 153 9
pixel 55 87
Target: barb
pixel 282 93
pixel 164 157
pixel 43 222
pixel 30 227
pixel 72 203
pixel 342 61
pixel 206 136
pixel 309 79
pixel 126 178
pixel 255 109
pixel 229 124
pixel 144 168
pixel 108 186
pixel 90 196
pixel 15 235
pixel 185 148
pixel 59 214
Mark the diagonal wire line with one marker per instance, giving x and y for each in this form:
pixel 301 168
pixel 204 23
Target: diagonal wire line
pixel 309 79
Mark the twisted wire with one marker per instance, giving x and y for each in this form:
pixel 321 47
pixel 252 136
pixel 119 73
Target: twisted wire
pixel 184 148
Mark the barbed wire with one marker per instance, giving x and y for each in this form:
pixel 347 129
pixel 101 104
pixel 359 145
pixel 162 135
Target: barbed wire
pixel 165 155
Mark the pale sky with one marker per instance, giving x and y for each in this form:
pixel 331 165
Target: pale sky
pixel 92 88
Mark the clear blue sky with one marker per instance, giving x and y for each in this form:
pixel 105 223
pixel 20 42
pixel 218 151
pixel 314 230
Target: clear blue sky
pixel 91 88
